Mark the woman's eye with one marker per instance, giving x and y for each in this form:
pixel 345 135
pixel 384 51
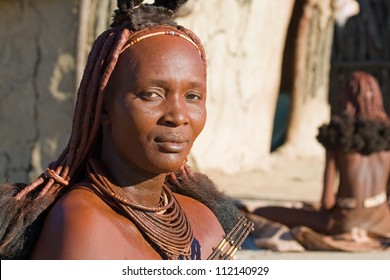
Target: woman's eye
pixel 150 95
pixel 193 96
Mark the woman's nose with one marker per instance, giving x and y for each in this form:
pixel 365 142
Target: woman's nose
pixel 176 113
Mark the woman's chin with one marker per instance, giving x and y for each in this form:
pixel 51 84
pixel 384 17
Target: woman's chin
pixel 168 168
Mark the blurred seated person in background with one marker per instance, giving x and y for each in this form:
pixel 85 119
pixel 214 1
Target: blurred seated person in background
pixel 357 144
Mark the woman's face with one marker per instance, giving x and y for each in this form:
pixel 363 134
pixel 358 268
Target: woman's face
pixel 155 104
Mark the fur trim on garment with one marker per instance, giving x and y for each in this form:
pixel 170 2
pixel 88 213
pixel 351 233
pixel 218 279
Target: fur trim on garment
pixel 20 221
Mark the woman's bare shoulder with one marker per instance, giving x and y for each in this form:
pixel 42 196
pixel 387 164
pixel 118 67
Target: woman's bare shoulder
pixel 81 226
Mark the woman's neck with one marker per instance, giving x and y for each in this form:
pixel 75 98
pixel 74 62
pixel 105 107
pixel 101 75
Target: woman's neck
pixel 141 187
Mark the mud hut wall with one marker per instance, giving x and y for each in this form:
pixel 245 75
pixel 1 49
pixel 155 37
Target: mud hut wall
pixel 37 83
pixel 244 40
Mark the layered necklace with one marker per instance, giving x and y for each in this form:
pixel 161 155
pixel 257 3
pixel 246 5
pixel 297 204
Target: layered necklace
pixel 165 225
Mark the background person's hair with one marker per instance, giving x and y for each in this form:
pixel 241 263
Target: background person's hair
pixel 360 123
pixel 361 97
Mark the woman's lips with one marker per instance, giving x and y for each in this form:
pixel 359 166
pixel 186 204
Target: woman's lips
pixel 171 143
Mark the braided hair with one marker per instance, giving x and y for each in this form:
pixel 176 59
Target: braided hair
pixel 360 123
pixel 361 97
pixel 28 204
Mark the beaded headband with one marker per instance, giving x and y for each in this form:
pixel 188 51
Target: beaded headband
pixel 171 33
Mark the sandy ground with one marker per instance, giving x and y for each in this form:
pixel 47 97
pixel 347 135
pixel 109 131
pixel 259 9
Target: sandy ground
pixel 289 181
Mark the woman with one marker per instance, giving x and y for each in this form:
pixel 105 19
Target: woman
pixel 357 143
pixel 140 107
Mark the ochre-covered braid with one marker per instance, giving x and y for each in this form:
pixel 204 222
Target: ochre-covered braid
pixel 361 97
pixel 86 121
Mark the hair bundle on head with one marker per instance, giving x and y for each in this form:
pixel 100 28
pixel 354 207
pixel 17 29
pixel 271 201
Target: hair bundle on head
pixel 171 5
pixel 138 15
pixel 125 5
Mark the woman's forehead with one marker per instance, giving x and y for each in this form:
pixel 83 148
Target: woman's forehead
pixel 163 31
pixel 160 52
pixel 162 44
